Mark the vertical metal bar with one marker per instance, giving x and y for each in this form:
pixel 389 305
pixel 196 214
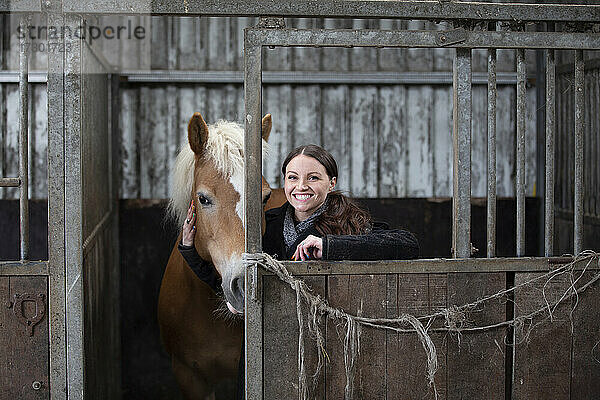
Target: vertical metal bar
pixel 579 131
pixel 23 136
pixel 253 219
pixel 550 134
pixel 74 212
pixel 491 151
pixel 521 98
pixel 461 196
pixel 56 209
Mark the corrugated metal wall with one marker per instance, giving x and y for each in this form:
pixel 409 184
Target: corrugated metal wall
pixel 389 140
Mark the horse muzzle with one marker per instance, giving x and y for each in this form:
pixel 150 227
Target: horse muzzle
pixel 233 289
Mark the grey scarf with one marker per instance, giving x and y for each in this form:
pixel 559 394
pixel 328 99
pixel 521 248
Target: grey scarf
pixel 292 231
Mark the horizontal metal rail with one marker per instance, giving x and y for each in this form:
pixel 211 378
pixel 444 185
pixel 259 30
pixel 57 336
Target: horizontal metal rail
pixel 26 268
pixel 290 77
pixel 10 182
pixel 430 10
pixel 421 39
pixel 433 266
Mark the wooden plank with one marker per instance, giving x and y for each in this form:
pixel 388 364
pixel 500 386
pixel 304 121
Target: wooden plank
pixel 277 100
pixel 369 299
pixel 406 368
pixel 307 121
pixel 358 295
pixel 532 187
pixel 505 142
pixel 420 112
pixel 476 362
pixel 11 144
pixel 336 132
pixel 281 341
pixel 392 137
pixel 38 133
pixel 442 146
pixel 24 359
pixel 585 374
pixel 364 127
pixel 338 296
pixel 128 118
pixel 542 361
pixel 479 142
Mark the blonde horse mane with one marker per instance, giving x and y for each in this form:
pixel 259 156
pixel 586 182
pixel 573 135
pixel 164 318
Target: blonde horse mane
pixel 225 147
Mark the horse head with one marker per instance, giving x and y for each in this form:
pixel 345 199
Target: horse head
pixel 211 171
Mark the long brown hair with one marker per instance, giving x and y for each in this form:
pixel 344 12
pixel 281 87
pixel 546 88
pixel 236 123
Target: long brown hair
pixel 343 215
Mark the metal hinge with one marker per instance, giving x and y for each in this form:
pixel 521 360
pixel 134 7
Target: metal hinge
pixel 447 38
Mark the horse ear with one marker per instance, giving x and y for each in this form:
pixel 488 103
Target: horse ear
pixel 197 133
pixel 267 124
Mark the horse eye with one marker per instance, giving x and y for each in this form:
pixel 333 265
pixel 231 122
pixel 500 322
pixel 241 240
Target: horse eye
pixel 203 200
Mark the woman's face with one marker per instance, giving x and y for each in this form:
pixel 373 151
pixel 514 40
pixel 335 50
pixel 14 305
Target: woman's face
pixel 306 185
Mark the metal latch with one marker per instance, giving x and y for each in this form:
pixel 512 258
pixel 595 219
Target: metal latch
pixel 19 312
pixel 447 38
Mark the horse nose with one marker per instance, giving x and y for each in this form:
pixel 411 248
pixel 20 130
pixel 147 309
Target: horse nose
pixel 237 288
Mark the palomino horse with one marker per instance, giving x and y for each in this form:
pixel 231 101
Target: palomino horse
pixel 205 344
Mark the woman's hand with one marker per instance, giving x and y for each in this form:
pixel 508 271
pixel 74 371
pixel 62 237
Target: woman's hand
pixel 311 247
pixel 189 226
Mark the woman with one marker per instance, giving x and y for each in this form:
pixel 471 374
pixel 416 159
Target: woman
pixel 316 222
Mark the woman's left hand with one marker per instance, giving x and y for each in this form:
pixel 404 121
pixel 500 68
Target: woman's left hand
pixel 311 247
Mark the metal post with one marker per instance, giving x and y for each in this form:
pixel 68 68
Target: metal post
pixel 521 94
pixel 253 220
pixel 23 136
pixel 491 151
pixel 550 129
pixel 56 209
pixel 579 130
pixel 461 196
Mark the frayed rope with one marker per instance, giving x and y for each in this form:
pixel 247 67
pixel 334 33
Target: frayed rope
pixel 455 318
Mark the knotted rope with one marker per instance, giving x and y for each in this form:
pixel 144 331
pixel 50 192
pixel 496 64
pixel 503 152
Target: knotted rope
pixel 454 317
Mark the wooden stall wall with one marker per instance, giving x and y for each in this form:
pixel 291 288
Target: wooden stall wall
pixel 390 140
pixel 564 156
pixel 552 358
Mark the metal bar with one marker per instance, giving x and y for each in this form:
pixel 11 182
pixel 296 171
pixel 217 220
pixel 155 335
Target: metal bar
pixel 520 179
pixel 25 268
pixel 434 266
pixel 314 77
pixel 425 39
pixel 10 182
pixel 7 6
pixel 461 133
pixel 579 144
pixel 56 210
pixel 491 151
pixel 23 138
pixel 253 220
pixel 74 214
pixel 437 10
pixel 13 77
pixel 550 133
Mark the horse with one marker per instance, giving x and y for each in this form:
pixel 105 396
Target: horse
pixel 201 336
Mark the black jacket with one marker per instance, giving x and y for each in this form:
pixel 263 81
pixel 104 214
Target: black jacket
pixel 380 244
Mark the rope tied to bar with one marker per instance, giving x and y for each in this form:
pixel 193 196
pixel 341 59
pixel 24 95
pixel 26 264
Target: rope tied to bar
pixel 455 318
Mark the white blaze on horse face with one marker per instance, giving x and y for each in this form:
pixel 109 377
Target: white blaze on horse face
pixel 237 181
